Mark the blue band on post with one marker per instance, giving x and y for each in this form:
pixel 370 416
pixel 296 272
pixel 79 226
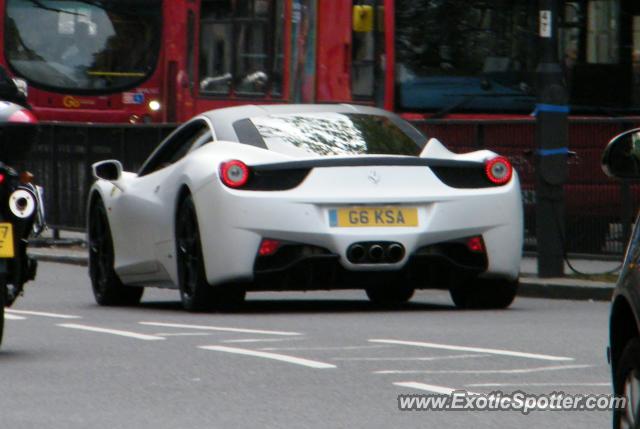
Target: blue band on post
pixel 551 108
pixel 555 151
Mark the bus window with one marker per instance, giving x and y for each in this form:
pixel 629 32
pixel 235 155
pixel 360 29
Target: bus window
pixel 251 58
pixel 303 51
pixel 465 56
pixel 367 76
pixel 596 60
pixel 241 47
pixel 83 47
pixel 602 32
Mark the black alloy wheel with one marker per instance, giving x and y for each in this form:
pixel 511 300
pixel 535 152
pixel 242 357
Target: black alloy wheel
pixel 195 291
pixel 106 285
pixel 3 297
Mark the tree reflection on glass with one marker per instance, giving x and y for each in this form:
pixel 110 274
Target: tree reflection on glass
pixel 336 134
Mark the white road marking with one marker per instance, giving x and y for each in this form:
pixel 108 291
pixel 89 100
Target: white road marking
pixel 13 317
pixel 487 371
pixel 183 334
pixel 274 356
pixel 112 332
pixel 606 384
pixel 43 314
pixel 473 349
pixel 262 340
pixel 429 358
pixel 429 387
pixel 323 348
pixel 219 328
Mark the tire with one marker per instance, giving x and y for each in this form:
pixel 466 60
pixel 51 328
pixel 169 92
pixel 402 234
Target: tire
pixel 389 295
pixel 3 296
pixel 475 293
pixel 195 292
pixel 627 379
pixel 108 290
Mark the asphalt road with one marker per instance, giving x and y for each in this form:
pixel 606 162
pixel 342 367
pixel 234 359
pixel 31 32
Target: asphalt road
pixel 316 360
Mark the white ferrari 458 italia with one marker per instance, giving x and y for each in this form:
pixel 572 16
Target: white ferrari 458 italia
pixel 305 197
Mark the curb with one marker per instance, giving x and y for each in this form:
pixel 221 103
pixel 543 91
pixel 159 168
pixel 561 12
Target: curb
pixel 61 259
pixel 563 289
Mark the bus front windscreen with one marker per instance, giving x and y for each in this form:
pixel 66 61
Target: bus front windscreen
pixel 465 55
pixel 84 46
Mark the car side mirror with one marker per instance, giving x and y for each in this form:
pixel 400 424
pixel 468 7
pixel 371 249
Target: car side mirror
pixel 621 157
pixel 110 170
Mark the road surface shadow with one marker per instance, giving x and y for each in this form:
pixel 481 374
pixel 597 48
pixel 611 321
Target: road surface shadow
pixel 292 306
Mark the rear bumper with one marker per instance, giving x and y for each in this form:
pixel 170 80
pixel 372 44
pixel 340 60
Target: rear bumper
pixel 303 267
pixel 233 223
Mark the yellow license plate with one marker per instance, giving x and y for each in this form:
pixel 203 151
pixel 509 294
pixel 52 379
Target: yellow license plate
pixel 6 240
pixel 373 216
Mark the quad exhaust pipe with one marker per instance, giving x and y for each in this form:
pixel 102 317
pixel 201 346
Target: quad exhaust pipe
pixel 375 253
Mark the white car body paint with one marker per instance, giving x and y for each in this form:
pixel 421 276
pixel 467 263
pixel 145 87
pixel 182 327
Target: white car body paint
pixel 232 223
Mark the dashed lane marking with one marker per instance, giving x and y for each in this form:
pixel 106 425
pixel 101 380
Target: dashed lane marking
pixel 117 332
pixel 487 371
pixel 262 340
pixel 182 334
pixel 429 387
pixel 560 383
pixel 427 358
pixel 324 348
pixel 42 314
pixel 14 317
pixel 473 349
pixel 274 356
pixel 219 328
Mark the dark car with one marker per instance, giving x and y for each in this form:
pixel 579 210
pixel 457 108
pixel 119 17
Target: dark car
pixel 621 160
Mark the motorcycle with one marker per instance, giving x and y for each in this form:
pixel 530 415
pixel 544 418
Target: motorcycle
pixel 22 213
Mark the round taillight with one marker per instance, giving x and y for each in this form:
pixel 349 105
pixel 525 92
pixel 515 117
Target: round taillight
pixel 234 173
pixel 499 170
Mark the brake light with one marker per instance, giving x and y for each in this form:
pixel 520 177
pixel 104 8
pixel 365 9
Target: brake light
pixel 475 244
pixel 234 173
pixel 22 117
pixel 2 177
pixel 499 170
pixel 268 247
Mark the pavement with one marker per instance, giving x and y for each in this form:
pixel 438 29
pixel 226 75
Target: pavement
pixel 70 248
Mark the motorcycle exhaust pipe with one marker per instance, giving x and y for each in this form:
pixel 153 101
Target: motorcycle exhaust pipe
pixel 22 204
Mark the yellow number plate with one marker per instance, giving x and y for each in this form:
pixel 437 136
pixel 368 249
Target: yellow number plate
pixel 6 240
pixel 373 216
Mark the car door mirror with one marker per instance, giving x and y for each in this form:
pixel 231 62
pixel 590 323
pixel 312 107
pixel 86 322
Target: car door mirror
pixel 621 157
pixel 110 170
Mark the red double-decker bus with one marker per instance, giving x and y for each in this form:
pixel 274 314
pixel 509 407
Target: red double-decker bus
pixel 163 61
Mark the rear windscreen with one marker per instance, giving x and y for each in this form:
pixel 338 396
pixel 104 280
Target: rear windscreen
pixel 335 134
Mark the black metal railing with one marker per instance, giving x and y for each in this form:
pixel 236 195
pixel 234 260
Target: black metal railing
pixel 61 158
pixel 598 210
